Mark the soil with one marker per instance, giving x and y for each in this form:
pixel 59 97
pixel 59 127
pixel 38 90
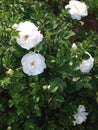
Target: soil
pixel 91 23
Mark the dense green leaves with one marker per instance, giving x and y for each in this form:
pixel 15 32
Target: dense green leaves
pixel 49 100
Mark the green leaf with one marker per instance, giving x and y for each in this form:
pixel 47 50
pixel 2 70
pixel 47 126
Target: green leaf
pixel 53 88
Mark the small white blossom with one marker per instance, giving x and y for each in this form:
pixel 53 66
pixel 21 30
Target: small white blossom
pixel 80 116
pixel 74 46
pixel 9 128
pixel 15 26
pixel 33 63
pixel 70 63
pixel 77 9
pixel 9 72
pixel 75 79
pixel 81 22
pixel 87 65
pixel 29 36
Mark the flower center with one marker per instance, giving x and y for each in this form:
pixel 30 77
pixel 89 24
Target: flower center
pixel 26 37
pixel 32 63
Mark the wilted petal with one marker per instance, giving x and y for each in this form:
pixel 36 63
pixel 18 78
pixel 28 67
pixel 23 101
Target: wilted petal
pixel 87 65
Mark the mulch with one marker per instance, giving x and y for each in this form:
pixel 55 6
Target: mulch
pixel 91 23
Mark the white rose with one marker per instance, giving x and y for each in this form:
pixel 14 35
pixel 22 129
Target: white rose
pixel 29 36
pixel 33 63
pixel 80 116
pixel 87 65
pixel 77 9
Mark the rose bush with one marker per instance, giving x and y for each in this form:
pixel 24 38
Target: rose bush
pixel 48 66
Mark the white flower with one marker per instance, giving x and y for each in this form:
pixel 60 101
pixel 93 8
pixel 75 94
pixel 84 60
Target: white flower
pixel 87 65
pixel 74 46
pixel 29 36
pixel 80 116
pixel 77 9
pixel 33 63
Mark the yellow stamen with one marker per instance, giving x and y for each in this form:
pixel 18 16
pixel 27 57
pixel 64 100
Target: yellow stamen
pixel 32 63
pixel 26 37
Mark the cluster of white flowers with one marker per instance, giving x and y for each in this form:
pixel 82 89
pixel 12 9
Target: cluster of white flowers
pixel 80 116
pixel 34 63
pixel 77 9
pixel 29 36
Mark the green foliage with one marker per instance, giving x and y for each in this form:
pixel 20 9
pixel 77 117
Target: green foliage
pixel 49 100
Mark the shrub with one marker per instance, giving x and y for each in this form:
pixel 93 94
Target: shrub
pixel 49 100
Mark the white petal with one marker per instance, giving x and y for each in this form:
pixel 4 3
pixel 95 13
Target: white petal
pixel 81 108
pixel 74 46
pixel 76 17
